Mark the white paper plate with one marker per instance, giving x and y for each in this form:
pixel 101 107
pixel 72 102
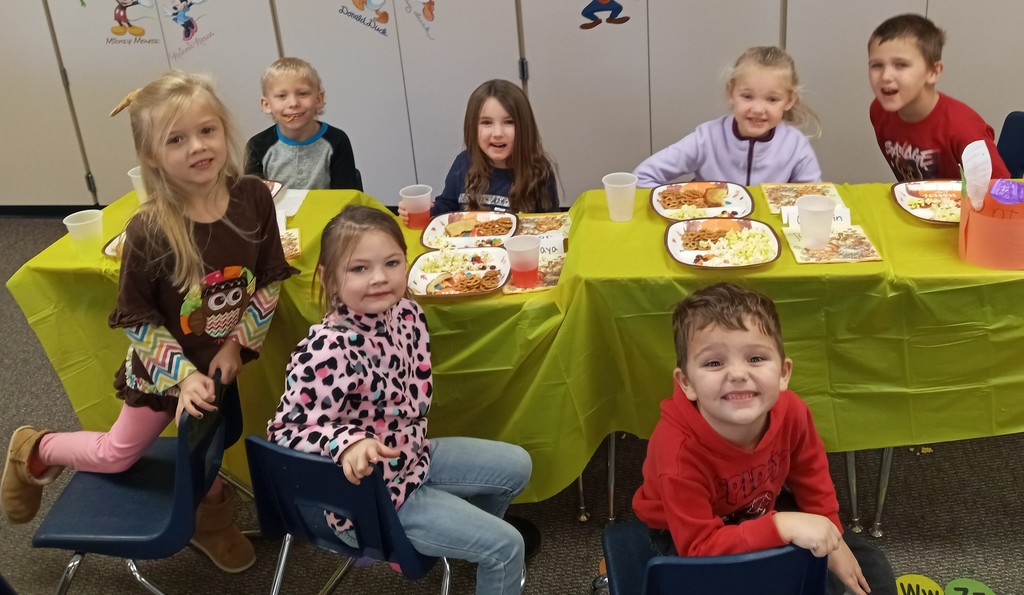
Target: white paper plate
pixel 110 248
pixel 436 236
pixel 935 201
pixel 430 266
pixel 750 230
pixel 737 203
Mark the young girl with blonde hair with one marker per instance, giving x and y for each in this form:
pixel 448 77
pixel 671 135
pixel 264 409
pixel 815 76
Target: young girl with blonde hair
pixel 358 390
pixel 760 142
pixel 201 272
pixel 504 166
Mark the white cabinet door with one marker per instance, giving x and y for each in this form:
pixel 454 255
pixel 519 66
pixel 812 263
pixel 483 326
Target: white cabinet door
pixel 443 61
pixel 42 164
pixel 358 60
pixel 829 41
pixel 982 55
pixel 107 52
pixel 230 40
pixel 589 89
pixel 693 46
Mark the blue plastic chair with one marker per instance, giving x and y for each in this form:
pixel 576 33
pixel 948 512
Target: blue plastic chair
pixel 293 489
pixel 633 569
pixel 1011 144
pixel 146 512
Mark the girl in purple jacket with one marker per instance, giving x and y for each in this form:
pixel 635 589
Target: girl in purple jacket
pixel 358 390
pixel 761 142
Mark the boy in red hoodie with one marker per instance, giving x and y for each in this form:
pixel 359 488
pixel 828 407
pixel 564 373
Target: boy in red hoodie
pixel 729 439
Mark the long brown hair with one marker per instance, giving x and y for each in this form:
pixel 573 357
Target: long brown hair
pixel 154 109
pixel 774 58
pixel 531 167
pixel 339 239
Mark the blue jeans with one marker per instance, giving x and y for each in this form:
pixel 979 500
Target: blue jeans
pixel 457 512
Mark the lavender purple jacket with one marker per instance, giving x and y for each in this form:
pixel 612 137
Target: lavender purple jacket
pixel 715 152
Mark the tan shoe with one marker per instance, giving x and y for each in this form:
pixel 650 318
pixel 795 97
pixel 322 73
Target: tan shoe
pixel 20 491
pixel 119 29
pixel 217 536
pixel 136 31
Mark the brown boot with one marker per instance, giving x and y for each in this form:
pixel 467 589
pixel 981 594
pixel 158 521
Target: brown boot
pixel 20 491
pixel 217 536
pixel 591 24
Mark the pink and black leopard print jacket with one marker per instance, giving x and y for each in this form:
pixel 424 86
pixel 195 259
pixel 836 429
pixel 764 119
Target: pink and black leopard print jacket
pixel 357 376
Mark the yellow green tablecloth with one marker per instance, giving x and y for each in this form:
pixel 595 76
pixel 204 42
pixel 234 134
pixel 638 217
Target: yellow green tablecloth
pixel 920 347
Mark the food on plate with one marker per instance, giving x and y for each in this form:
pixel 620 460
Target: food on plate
pixel 703 234
pixel 677 196
pixel 462 227
pixel 290 243
pixel 739 248
pixel 464 282
pixel 715 196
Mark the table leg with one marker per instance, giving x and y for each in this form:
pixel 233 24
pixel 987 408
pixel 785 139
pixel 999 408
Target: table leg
pixel 851 483
pixel 883 489
pixel 581 514
pixel 611 477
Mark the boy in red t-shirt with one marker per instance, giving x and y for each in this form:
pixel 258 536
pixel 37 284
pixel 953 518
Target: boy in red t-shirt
pixel 732 436
pixel 922 133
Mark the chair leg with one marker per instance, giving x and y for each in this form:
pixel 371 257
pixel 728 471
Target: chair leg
pixel 236 484
pixel 282 559
pixel 446 578
pixel 600 582
pixel 581 514
pixel 342 570
pixel 611 477
pixel 132 568
pixel 883 490
pixel 69 573
pixel 851 483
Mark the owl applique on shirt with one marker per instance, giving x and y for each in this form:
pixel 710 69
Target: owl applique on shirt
pixel 216 305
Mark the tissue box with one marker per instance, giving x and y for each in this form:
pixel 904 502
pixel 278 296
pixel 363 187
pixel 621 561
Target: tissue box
pixel 994 236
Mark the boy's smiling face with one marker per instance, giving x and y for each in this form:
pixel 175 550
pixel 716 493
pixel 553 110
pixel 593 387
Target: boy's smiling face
pixel 901 79
pixel 294 102
pixel 734 377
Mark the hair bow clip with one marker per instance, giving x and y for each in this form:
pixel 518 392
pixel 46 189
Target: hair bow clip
pixel 126 102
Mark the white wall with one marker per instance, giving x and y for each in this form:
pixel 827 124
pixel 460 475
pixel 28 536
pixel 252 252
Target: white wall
pixel 828 39
pixel 605 97
pixel 40 156
pixel 589 90
pixel 982 55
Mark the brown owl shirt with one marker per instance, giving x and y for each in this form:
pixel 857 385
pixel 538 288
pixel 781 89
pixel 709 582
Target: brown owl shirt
pixel 238 257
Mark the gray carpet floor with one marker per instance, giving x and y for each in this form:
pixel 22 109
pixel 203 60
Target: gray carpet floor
pixel 954 509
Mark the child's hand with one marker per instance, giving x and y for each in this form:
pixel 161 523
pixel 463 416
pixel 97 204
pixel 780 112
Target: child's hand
pixel 844 565
pixel 809 531
pixel 403 213
pixel 228 360
pixel 360 458
pixel 196 393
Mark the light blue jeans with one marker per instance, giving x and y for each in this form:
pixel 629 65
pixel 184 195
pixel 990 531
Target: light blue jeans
pixel 457 512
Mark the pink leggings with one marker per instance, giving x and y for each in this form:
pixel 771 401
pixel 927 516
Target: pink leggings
pixel 113 451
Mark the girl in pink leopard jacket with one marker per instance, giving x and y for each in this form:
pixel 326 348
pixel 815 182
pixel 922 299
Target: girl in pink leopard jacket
pixel 358 390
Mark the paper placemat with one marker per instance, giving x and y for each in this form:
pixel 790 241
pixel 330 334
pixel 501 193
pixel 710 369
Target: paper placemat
pixel 849 244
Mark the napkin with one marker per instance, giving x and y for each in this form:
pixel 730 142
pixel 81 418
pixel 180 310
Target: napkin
pixel 977 171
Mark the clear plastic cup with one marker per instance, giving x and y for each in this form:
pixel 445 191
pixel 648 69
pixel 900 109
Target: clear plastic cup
pixel 417 200
pixel 620 190
pixel 135 174
pixel 814 214
pixel 86 230
pixel 524 256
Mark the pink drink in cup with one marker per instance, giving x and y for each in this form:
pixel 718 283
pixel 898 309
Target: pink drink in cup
pixel 524 256
pixel 417 200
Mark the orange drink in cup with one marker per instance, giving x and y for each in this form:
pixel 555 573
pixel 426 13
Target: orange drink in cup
pixel 524 258
pixel 417 200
